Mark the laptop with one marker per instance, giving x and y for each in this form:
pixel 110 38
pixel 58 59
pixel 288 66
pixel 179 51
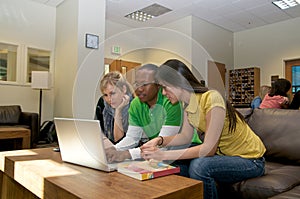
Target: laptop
pixel 81 142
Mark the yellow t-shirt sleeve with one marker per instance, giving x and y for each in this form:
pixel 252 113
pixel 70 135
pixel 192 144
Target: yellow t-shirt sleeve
pixel 210 99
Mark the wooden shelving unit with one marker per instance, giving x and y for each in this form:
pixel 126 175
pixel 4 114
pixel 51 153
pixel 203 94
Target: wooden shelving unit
pixel 244 85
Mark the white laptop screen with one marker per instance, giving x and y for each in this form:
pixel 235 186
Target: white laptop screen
pixel 81 142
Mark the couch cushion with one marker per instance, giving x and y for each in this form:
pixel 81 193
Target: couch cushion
pixel 278 178
pixel 292 194
pixel 10 114
pixel 279 130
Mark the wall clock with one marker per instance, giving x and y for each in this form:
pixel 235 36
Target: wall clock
pixel 91 41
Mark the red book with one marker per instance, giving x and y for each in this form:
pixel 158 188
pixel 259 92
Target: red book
pixel 144 170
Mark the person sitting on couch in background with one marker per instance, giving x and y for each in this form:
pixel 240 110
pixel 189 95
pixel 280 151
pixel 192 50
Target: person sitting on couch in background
pixel 231 151
pixel 112 107
pixel 278 97
pixel 295 104
pixel 151 114
pixel 262 93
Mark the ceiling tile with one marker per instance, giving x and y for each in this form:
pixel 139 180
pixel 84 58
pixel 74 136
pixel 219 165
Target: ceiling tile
pixel 224 10
pixel 227 24
pixel 274 17
pixel 234 15
pixel 254 22
pixel 264 9
pixel 247 4
pixel 294 11
pixel 212 4
pixel 203 13
pixel 176 4
pixel 243 17
pixel 124 8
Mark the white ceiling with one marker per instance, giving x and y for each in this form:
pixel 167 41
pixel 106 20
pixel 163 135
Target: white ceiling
pixel 233 15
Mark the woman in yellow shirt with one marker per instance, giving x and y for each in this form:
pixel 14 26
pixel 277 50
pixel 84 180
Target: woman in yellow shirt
pixel 231 151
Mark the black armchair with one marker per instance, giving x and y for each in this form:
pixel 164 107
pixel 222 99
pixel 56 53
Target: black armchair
pixel 13 116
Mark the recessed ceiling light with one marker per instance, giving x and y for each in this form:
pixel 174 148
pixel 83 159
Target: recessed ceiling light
pixel 139 16
pixel 147 13
pixel 284 4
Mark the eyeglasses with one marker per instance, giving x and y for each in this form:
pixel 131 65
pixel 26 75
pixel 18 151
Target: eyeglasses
pixel 143 84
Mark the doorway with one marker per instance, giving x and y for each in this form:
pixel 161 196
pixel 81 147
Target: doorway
pixel 127 68
pixel 216 76
pixel 292 73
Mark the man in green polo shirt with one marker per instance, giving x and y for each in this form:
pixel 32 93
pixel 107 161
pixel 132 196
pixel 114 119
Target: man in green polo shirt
pixel 150 115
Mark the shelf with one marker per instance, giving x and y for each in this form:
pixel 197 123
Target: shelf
pixel 243 85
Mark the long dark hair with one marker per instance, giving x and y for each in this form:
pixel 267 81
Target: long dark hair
pixel 280 87
pixel 176 73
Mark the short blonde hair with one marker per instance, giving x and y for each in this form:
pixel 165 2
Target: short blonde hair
pixel 264 90
pixel 115 78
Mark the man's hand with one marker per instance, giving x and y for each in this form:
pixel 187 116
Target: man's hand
pixel 116 156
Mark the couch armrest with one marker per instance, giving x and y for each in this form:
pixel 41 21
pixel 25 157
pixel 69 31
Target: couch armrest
pixel 31 120
pixel 279 130
pixel 246 112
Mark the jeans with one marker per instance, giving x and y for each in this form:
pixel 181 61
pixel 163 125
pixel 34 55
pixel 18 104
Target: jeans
pixel 224 169
pixel 184 167
pixel 183 164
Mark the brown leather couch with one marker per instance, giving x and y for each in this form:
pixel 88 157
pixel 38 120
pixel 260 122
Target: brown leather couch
pixel 14 116
pixel 279 129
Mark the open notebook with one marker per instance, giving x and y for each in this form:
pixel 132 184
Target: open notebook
pixel 81 142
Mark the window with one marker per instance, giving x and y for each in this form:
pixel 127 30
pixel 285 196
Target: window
pixel 295 79
pixel 124 70
pixel 37 60
pixel 8 62
pixel 106 68
pixel 18 61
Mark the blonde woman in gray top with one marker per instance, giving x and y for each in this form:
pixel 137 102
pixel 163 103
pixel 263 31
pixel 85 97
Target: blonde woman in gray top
pixel 112 107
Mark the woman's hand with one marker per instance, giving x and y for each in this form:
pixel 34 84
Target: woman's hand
pixel 153 153
pixel 286 100
pixel 125 101
pixel 285 103
pixel 118 124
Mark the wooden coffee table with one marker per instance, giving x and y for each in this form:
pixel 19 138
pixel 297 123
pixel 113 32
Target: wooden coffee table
pixel 16 132
pixel 40 173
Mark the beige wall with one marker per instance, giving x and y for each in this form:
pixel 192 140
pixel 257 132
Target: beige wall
pixel 189 39
pixel 217 41
pixel 148 45
pixel 218 44
pixel 78 69
pixel 62 31
pixel 66 59
pixel 267 47
pixel 27 24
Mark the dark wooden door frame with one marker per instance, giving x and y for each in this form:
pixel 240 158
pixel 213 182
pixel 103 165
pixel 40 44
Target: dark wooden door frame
pixel 288 69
